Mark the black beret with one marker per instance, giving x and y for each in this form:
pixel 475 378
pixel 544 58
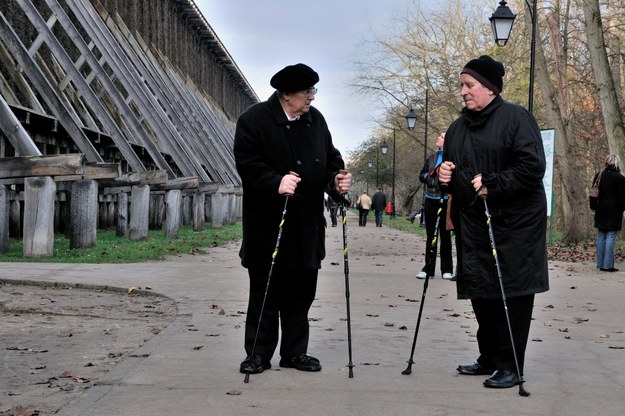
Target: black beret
pixel 487 71
pixel 296 77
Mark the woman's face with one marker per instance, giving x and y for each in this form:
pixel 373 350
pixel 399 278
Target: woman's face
pixel 440 140
pixel 475 95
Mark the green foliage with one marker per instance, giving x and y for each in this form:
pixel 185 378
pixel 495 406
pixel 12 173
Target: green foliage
pixel 112 249
pixel 400 223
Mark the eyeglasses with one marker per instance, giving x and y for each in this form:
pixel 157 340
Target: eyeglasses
pixel 310 92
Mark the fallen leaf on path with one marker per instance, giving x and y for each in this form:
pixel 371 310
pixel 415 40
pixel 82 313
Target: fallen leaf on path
pixel 604 336
pixel 199 347
pixel 234 392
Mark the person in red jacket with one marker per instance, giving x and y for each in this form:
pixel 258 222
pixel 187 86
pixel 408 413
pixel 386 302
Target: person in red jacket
pixel 283 149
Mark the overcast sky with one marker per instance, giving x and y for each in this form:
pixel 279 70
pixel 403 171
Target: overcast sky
pixel 265 36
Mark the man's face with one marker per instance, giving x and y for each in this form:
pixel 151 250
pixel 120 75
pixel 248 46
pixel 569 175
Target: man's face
pixel 299 102
pixel 475 95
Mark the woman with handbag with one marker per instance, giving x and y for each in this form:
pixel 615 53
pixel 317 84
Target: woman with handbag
pixel 608 207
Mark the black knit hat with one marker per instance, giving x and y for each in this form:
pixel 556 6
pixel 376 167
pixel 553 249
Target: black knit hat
pixel 487 71
pixel 296 77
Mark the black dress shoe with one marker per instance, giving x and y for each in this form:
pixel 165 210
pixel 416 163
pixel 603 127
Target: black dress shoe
pixel 302 362
pixel 254 365
pixel 474 369
pixel 502 379
pixel 611 269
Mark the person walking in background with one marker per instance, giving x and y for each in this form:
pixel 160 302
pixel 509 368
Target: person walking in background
pixel 364 204
pixel 333 208
pixel 429 176
pixel 286 160
pixel 494 150
pixel 378 203
pixel 608 209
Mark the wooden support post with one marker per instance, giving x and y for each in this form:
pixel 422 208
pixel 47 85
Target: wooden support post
pixel 219 204
pixel 173 216
pixel 139 212
pixel 199 200
pixel 157 210
pixel 15 216
pixel 39 193
pixel 84 214
pixel 4 219
pixel 121 220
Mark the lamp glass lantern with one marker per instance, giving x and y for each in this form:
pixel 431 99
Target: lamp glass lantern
pixel 501 22
pixel 384 148
pixel 411 119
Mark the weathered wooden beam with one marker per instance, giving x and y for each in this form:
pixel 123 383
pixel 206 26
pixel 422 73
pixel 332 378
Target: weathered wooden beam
pixel 177 183
pixel 145 178
pixel 17 135
pixel 68 164
pixel 44 88
pixel 94 170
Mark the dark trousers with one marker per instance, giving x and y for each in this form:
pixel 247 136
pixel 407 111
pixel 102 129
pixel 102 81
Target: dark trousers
pixel 333 214
pixel 493 336
pixel 289 298
pixel 362 217
pixel 430 210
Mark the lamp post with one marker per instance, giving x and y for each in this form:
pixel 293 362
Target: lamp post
pixel 384 148
pixel 411 120
pixel 370 165
pixel 501 22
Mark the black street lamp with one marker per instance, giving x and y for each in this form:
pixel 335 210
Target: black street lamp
pixel 501 21
pixel 411 118
pixel 384 148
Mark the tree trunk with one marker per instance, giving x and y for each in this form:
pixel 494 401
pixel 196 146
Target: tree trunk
pixel 606 90
pixel 575 212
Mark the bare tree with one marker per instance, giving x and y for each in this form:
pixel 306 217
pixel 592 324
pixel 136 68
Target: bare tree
pixel 612 115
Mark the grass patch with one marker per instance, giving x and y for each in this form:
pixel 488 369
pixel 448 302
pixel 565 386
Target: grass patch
pixel 400 223
pixel 112 249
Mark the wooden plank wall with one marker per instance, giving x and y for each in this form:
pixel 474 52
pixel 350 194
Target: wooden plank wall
pixel 144 86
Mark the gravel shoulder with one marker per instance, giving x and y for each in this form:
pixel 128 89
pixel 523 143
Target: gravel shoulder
pixel 57 340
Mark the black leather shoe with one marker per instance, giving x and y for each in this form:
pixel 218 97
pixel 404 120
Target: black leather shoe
pixel 254 365
pixel 502 379
pixel 302 362
pixel 611 269
pixel 474 369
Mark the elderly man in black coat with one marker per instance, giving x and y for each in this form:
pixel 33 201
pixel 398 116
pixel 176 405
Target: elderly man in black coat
pixel 494 150
pixel 283 149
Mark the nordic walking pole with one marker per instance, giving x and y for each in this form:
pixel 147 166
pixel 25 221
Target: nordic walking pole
pixel 522 391
pixel 431 258
pixel 273 261
pixel 344 204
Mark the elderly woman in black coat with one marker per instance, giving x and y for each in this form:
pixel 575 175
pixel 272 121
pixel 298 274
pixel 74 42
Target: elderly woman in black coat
pixel 494 150
pixel 609 211
pixel 283 149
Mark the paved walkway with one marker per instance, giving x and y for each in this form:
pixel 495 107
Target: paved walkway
pixel 574 364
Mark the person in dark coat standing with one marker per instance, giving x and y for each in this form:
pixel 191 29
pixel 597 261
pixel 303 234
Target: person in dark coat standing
pixel 378 204
pixel 333 208
pixel 609 211
pixel 283 149
pixel 432 203
pixel 494 150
